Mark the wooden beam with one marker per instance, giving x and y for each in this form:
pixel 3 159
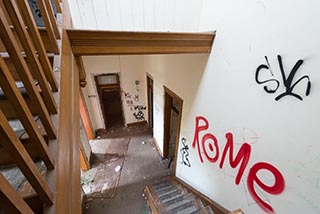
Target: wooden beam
pixel 10 111
pixel 10 89
pixel 25 75
pixel 23 160
pixel 68 188
pixel 32 58
pixel 39 42
pixel 13 197
pixel 6 159
pixel 88 42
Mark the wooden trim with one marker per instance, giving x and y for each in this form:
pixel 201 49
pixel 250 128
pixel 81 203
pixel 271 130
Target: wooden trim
pixel 174 96
pixel 149 99
pixel 38 42
pixel 157 147
pixel 23 160
pixel 13 94
pixel 139 123
pixel 85 117
pixel 33 60
pixel 93 42
pixel 217 208
pixel 82 72
pixel 14 51
pixel 13 197
pixel 151 202
pixel 84 163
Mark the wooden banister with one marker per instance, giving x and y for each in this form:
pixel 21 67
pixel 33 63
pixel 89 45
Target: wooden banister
pixel 57 3
pixel 13 94
pixel 23 160
pixel 49 25
pixel 26 54
pixel 13 197
pixel 13 49
pixel 33 60
pixel 35 35
pixel 52 18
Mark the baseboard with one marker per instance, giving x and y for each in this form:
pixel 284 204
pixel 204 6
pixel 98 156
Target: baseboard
pixel 157 147
pixel 218 209
pixel 139 123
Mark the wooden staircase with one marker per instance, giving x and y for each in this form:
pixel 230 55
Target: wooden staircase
pixel 169 197
pixel 39 121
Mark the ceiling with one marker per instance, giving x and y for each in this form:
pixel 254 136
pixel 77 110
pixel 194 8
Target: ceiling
pixel 137 15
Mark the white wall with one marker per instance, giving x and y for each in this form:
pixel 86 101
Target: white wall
pixel 282 133
pixel 182 75
pixel 130 69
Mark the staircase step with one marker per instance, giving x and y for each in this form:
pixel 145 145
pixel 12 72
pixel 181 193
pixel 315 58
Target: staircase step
pixel 180 203
pixel 162 185
pixel 183 208
pixel 165 189
pixel 177 199
pixel 174 196
pixel 168 194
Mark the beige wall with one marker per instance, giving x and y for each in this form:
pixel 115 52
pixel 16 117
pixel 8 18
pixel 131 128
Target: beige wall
pixel 130 69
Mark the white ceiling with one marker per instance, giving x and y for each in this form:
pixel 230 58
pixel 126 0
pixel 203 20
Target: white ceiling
pixel 137 15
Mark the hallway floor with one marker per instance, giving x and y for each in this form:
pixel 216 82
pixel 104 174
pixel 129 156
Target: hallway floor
pixel 142 166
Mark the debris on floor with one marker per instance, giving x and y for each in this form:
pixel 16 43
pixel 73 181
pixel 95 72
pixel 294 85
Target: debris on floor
pixel 102 179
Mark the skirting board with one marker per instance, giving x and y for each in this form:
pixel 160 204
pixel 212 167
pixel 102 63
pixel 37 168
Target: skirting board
pixel 140 123
pixel 157 147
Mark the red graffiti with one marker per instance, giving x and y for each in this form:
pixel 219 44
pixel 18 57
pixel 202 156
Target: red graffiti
pixel 242 159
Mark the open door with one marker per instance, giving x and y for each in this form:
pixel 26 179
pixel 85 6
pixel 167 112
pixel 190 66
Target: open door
pixel 109 91
pixel 172 123
pixel 150 100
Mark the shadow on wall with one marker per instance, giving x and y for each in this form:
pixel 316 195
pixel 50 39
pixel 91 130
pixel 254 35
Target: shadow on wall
pixel 180 73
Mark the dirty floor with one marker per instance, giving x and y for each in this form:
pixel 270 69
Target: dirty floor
pixel 142 166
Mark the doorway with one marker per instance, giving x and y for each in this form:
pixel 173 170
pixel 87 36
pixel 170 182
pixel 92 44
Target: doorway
pixel 172 122
pixel 109 91
pixel 150 100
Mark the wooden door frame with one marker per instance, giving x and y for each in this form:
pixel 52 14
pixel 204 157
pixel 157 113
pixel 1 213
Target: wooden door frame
pixel 167 95
pixel 100 89
pixel 148 76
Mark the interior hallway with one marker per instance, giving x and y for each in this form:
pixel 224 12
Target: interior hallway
pixel 142 166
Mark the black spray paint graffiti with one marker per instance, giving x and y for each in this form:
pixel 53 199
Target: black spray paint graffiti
pixel 185 153
pixel 288 83
pixel 139 115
